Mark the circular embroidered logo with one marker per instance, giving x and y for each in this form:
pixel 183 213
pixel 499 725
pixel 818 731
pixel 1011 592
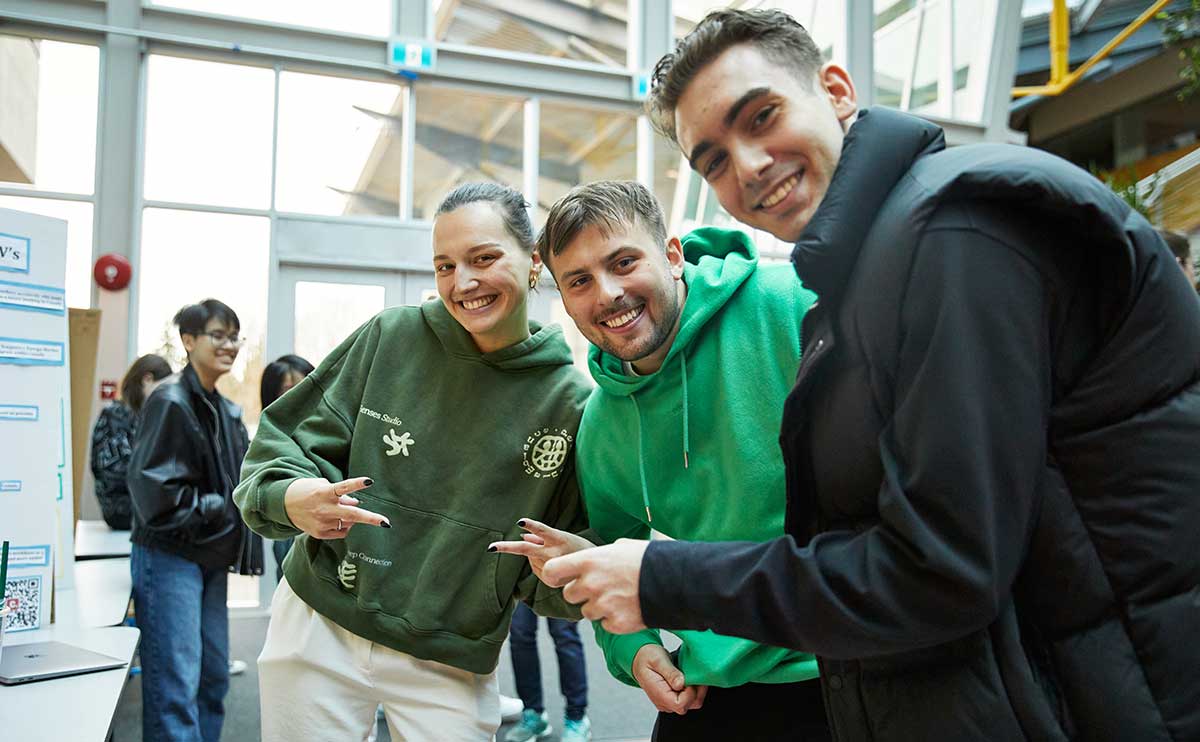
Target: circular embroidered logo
pixel 545 452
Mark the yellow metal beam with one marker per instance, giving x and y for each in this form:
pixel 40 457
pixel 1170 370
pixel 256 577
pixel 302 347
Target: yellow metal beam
pixel 1060 41
pixel 1060 80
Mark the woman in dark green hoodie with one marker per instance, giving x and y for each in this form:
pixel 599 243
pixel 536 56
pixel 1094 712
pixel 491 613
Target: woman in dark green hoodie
pixel 420 440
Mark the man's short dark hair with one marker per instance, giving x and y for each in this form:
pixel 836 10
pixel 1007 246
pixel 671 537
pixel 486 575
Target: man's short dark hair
pixel 606 204
pixel 193 318
pixel 774 33
pixel 1179 244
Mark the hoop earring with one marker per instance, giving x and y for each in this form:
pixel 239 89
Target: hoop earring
pixel 533 280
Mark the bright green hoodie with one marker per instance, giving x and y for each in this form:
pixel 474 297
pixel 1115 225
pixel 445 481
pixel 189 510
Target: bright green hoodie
pixel 461 444
pixel 692 450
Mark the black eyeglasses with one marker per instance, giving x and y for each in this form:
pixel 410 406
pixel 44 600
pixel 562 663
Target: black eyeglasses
pixel 219 338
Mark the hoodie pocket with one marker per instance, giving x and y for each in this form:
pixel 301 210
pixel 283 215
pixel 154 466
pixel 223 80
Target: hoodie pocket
pixel 432 572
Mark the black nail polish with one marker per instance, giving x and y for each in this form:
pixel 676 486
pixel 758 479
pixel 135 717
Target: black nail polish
pixel 521 523
pixel 492 548
pixel 368 483
pixel 385 524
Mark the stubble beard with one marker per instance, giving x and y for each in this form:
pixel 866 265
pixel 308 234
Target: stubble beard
pixel 668 300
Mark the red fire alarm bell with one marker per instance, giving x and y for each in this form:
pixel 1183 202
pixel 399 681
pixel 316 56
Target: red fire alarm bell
pixel 108 389
pixel 112 271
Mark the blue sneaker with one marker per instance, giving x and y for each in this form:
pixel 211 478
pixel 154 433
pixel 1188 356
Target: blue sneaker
pixel 577 730
pixel 533 726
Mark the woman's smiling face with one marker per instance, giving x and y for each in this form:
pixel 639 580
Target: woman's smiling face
pixel 483 274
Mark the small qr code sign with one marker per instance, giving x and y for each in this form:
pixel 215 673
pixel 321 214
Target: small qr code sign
pixel 23 596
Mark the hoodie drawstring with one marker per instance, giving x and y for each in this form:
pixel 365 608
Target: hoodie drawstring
pixel 686 439
pixel 637 415
pixel 686 436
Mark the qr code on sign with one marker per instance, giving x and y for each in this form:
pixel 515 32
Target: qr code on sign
pixel 23 595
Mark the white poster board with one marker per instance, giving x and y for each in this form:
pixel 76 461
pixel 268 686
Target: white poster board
pixel 35 415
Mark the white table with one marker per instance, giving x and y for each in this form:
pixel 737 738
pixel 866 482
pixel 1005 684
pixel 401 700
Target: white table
pixel 95 540
pixel 101 594
pixel 79 708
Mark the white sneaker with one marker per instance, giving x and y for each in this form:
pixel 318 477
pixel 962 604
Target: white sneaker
pixel 236 667
pixel 577 730
pixel 510 708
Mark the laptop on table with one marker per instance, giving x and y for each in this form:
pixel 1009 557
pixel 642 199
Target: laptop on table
pixel 25 663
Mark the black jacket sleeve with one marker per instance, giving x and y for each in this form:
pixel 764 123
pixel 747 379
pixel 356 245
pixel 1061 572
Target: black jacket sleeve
pixel 962 453
pixel 166 474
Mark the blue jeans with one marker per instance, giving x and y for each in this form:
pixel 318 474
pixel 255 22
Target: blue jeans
pixel 572 672
pixel 181 611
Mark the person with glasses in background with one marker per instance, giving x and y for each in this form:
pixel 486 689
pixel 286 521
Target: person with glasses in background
pixel 187 533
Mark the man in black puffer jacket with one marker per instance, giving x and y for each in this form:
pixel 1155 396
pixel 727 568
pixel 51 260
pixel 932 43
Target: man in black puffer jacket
pixel 992 498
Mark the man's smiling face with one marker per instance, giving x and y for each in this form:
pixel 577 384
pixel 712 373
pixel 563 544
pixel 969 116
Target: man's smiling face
pixel 623 290
pixel 766 142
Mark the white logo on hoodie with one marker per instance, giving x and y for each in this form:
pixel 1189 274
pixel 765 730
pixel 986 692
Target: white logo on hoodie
pixel 396 444
pixel 545 452
pixel 347 571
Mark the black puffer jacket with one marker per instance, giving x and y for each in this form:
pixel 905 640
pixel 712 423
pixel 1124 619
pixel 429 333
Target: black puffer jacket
pixel 991 459
pixel 187 457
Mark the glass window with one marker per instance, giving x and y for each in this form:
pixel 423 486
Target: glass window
pixel 1031 8
pixel 78 217
pixel 326 314
pixel 895 49
pixel 208 132
pixel 339 146
pixel 189 256
pixel 48 100
pixel 924 97
pixel 369 17
pixel 582 30
pixel 968 17
pixel 464 136
pixel 580 145
pixel 670 180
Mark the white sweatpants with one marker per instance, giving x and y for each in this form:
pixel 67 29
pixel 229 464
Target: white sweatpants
pixel 317 681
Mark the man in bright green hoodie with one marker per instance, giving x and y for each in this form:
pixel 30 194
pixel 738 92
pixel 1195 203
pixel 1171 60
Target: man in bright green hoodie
pixel 695 347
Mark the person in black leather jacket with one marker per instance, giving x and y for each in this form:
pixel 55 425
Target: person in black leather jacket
pixel 187 533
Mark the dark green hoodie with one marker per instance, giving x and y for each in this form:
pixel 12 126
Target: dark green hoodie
pixel 461 444
pixel 692 450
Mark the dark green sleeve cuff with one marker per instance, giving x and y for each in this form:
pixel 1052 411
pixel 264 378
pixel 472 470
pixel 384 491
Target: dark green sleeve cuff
pixel 271 503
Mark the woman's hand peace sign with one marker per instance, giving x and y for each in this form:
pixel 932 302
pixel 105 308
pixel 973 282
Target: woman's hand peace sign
pixel 328 511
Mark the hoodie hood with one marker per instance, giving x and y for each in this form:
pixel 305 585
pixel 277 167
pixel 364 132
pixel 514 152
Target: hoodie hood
pixel 717 263
pixel 545 345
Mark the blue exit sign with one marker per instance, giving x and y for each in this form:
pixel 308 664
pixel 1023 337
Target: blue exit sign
pixel 411 55
pixel 641 86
